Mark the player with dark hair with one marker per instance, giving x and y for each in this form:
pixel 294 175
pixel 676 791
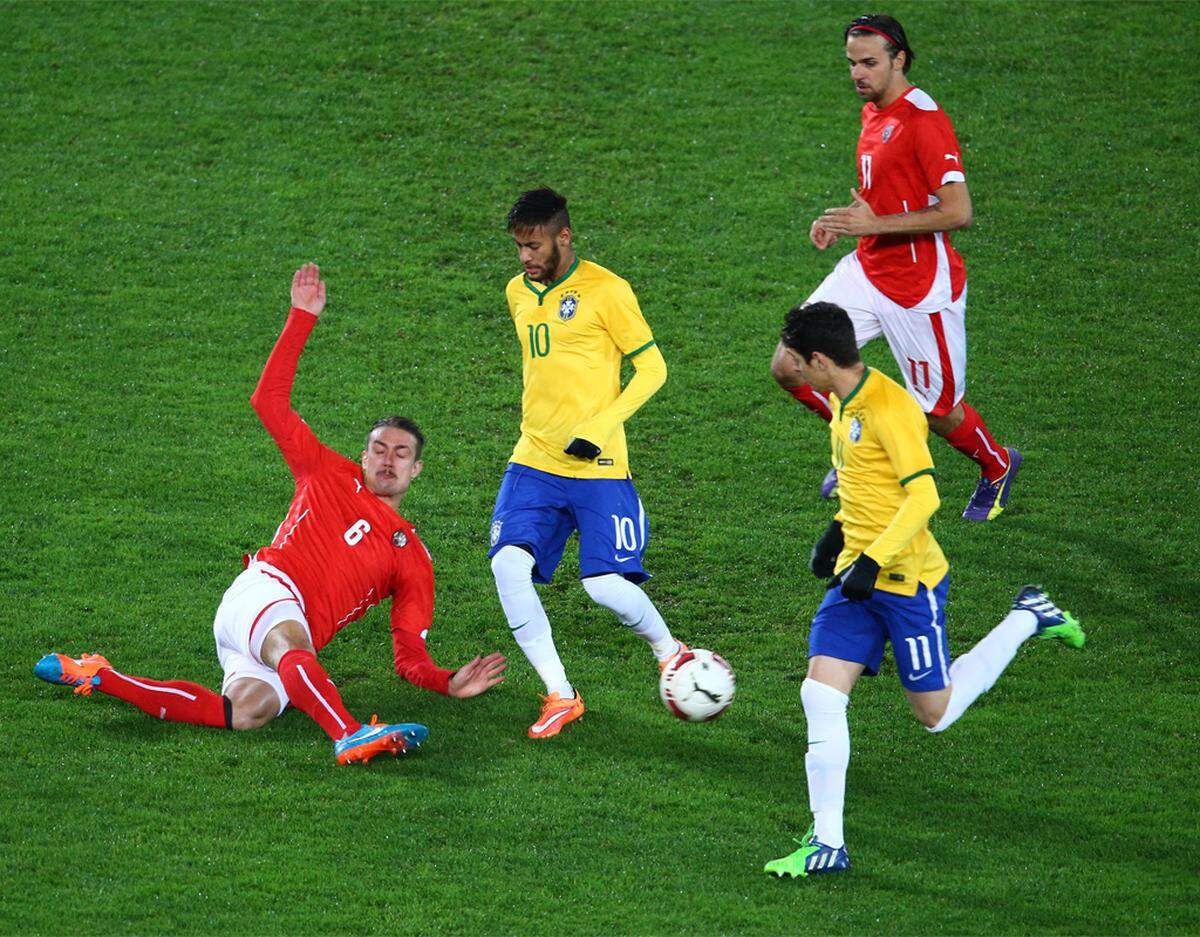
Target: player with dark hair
pixel 575 322
pixel 905 281
pixel 889 577
pixel 342 549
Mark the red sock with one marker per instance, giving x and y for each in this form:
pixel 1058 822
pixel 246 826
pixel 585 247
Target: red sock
pixel 175 700
pixel 974 441
pixel 311 691
pixel 817 403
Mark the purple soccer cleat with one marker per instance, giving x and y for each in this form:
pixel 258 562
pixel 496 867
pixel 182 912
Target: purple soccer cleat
pixel 991 497
pixel 829 487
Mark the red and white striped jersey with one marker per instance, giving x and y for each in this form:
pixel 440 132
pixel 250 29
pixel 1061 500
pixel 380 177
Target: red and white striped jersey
pixel 906 152
pixel 345 549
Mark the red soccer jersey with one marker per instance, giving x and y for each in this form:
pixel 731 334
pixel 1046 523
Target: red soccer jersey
pixel 907 151
pixel 345 549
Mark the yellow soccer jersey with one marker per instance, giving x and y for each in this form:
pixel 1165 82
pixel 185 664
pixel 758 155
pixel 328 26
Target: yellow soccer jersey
pixel 573 334
pixel 879 437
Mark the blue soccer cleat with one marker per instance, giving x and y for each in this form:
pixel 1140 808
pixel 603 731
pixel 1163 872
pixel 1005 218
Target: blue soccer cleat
pixel 812 858
pixel 829 485
pixel 80 673
pixel 991 497
pixel 376 738
pixel 1053 623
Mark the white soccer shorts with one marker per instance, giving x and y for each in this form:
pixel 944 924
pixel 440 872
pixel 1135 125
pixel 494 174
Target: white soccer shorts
pixel 930 348
pixel 259 599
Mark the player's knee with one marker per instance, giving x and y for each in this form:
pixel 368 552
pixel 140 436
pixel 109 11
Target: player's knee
pixel 784 371
pixel 946 423
pixel 614 592
pixel 253 713
pixel 930 716
pixel 512 566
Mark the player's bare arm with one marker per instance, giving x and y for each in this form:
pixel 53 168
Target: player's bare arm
pixel 308 289
pixel 951 213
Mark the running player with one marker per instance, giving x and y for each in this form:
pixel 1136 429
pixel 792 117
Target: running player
pixel 342 548
pixel 575 323
pixel 890 577
pixel 905 281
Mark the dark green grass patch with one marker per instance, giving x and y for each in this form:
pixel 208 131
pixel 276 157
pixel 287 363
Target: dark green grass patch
pixel 166 168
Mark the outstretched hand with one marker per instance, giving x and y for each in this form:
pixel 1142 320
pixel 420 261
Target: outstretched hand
pixel 855 220
pixel 308 289
pixel 478 676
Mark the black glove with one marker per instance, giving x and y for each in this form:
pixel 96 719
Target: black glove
pixel 858 582
pixel 582 449
pixel 826 550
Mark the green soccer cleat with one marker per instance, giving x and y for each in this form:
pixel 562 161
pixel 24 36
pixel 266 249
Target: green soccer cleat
pixel 1053 623
pixel 813 857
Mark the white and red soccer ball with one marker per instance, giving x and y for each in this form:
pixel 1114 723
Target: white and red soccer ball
pixel 697 685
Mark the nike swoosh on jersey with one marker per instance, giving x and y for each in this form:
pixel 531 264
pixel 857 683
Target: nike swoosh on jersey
pixel 624 559
pixel 920 676
pixel 538 727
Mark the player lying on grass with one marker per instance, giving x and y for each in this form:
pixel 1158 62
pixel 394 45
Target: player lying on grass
pixel 342 549
pixel 575 322
pixel 890 579
pixel 905 281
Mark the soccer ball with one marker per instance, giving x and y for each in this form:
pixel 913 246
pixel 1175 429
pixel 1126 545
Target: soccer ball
pixel 697 685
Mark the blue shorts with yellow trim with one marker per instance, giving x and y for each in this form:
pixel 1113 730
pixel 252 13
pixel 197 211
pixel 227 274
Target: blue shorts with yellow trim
pixel 538 511
pixel 915 625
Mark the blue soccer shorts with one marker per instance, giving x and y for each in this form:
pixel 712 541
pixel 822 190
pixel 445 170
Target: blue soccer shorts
pixel 916 626
pixel 539 511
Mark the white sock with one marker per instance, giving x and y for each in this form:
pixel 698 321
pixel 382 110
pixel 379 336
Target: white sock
pixel 513 569
pixel 636 611
pixel 827 759
pixel 976 671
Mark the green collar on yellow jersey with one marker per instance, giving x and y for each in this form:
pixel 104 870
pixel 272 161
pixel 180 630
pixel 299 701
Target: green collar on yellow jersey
pixel 857 388
pixel 541 294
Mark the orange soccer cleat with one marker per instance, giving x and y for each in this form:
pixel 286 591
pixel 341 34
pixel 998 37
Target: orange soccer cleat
pixel 662 664
pixel 70 671
pixel 556 713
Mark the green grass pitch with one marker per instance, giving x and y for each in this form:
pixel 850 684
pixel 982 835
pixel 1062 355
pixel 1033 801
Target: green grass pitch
pixel 166 166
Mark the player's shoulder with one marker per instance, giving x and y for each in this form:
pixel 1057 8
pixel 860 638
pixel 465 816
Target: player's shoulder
pixel 516 284
pixel 333 463
pixel 885 394
pixel 597 275
pixel 920 101
pixel 920 107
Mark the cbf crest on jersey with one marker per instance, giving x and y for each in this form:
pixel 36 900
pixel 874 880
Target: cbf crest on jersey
pixel 496 532
pixel 400 538
pixel 567 306
pixel 855 429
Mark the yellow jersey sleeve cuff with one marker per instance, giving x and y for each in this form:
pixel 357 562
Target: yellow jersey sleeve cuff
pixel 928 471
